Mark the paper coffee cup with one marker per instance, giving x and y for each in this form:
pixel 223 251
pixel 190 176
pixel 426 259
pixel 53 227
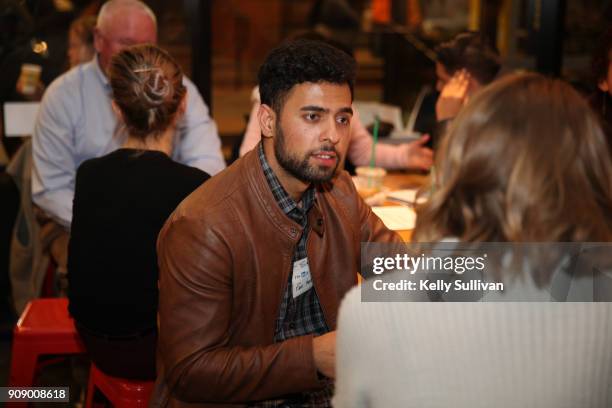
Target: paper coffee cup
pixel 29 78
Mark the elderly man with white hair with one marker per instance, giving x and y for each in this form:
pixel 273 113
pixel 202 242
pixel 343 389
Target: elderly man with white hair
pixel 76 121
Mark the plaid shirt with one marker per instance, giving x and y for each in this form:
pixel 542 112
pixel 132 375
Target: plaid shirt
pixel 301 315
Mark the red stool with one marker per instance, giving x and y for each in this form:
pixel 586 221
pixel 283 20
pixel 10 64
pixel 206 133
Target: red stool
pixel 120 392
pixel 45 327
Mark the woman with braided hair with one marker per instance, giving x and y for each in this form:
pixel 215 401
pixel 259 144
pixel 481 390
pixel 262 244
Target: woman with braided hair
pixel 121 202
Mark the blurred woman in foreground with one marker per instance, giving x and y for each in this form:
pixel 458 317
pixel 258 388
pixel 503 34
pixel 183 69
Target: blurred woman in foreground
pixel 525 161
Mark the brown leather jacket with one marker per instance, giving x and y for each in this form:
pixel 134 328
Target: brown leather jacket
pixel 224 258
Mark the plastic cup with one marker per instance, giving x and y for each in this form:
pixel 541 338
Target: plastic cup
pixel 369 180
pixel 29 78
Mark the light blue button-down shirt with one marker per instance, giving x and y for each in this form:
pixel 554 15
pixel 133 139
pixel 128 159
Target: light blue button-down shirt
pixel 76 123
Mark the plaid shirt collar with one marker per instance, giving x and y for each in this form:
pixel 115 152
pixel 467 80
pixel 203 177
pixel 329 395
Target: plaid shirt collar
pixel 284 200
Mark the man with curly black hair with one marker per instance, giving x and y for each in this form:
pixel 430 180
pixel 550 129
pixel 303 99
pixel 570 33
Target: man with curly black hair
pixel 253 264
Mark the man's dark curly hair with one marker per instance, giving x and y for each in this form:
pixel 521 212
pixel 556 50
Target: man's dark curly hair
pixel 600 61
pixel 471 51
pixel 295 62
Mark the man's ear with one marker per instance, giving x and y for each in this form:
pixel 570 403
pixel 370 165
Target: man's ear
pixel 97 39
pixel 267 120
pixel 603 85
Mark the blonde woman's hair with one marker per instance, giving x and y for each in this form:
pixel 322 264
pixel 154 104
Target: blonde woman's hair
pixel 525 161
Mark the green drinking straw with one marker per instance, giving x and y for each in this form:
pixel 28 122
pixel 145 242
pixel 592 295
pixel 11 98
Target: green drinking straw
pixel 375 134
pixel 373 156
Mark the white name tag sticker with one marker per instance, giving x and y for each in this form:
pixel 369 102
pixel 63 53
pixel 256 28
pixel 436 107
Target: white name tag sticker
pixel 301 281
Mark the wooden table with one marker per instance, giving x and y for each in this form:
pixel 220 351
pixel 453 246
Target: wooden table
pixel 399 180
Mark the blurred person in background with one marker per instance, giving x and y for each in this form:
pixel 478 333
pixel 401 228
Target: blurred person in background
pixel 465 64
pixel 121 201
pixel 80 50
pixel 76 121
pixel 33 32
pixel 601 99
pixel 521 163
pixel 80 40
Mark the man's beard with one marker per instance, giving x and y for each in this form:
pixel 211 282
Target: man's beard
pixel 299 167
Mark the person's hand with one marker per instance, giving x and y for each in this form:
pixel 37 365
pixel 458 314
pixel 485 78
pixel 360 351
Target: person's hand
pixel 419 156
pixel 453 96
pixel 324 351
